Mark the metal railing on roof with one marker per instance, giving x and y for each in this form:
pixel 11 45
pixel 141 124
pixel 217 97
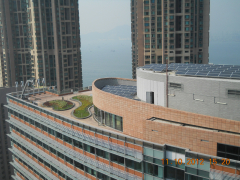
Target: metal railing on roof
pixel 33 164
pixel 51 89
pixel 21 169
pixel 60 166
pixel 78 123
pixel 71 153
pixel 91 139
pixel 16 177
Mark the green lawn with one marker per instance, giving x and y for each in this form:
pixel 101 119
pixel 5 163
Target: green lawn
pixel 59 105
pixel 82 112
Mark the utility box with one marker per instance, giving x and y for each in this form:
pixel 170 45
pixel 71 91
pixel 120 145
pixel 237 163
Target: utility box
pixel 150 97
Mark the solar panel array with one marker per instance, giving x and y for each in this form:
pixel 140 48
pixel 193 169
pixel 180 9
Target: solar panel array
pixel 202 70
pixel 121 90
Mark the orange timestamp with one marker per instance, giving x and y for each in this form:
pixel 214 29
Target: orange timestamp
pixel 196 161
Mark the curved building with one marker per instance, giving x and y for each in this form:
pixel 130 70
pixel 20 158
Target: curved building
pixel 137 131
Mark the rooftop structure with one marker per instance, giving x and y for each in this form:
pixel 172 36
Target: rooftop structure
pixel 200 70
pixel 131 134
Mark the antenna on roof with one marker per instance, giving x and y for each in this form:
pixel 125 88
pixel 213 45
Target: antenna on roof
pixel 16 84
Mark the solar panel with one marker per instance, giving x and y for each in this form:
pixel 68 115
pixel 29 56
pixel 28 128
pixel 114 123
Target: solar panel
pixel 225 75
pixel 206 70
pixel 235 76
pixel 202 74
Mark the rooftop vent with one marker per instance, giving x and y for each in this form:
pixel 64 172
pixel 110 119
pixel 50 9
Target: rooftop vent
pixel 234 92
pixel 175 85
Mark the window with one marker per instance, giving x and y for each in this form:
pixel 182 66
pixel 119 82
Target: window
pixel 173 173
pixel 153 170
pixel 117 159
pixel 102 153
pixel 228 151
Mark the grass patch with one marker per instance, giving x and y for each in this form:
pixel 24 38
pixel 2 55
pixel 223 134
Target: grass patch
pixel 82 111
pixel 59 105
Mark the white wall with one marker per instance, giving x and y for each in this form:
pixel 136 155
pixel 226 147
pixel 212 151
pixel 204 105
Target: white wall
pixel 145 85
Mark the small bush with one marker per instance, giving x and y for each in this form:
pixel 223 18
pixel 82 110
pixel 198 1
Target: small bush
pixel 59 105
pixel 82 111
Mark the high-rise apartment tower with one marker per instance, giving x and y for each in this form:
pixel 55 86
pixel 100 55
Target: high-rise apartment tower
pixel 173 30
pixel 40 39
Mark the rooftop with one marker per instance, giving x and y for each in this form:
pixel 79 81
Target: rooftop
pixel 39 99
pixel 197 70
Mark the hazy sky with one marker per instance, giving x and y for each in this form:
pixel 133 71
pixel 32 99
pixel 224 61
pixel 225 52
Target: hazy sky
pixel 104 15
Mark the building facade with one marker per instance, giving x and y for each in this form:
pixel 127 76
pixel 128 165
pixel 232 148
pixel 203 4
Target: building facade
pixel 173 31
pixel 40 39
pixel 5 156
pixel 132 135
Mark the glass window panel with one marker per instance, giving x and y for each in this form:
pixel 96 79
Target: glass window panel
pixel 113 121
pixel 114 158
pixel 148 177
pixel 148 151
pixel 232 149
pixel 200 178
pixel 148 168
pixel 158 161
pixel 107 119
pixel 59 135
pixel 138 166
pixel 105 155
pixel 170 172
pixel 191 170
pixel 119 123
pixel 203 173
pixel 86 147
pixel 147 158
pixel 191 161
pixel 179 174
pixel 158 171
pixel 158 154
pixel 121 160
pixel 129 163
pixel 221 147
pixel 220 154
pixel 231 156
pixel 190 177
pixel 205 164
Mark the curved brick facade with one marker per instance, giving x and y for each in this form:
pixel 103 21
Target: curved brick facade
pixel 135 123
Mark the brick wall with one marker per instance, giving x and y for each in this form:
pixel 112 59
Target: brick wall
pixel 135 123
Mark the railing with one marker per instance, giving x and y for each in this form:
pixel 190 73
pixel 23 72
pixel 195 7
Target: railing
pixel 21 169
pixel 91 139
pixel 66 91
pixel 60 166
pixel 92 163
pixel 217 174
pixel 50 89
pixel 121 136
pixel 16 177
pixel 32 163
